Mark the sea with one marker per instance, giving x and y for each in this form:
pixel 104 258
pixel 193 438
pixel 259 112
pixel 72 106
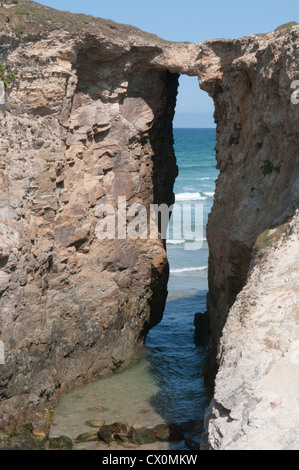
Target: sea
pixel 165 384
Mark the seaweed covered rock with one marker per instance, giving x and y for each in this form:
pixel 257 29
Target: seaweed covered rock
pixel 89 436
pixel 61 443
pixel 142 436
pixel 168 433
pixel 105 434
pixel 22 438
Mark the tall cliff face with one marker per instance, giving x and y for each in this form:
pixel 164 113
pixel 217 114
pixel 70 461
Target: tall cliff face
pixel 88 119
pixel 255 405
pixel 257 154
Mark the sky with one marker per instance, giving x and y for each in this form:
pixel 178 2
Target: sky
pixel 193 21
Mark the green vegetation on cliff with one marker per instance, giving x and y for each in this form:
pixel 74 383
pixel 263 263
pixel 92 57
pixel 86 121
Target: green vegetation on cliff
pixel 6 76
pixel 268 239
pixel 27 18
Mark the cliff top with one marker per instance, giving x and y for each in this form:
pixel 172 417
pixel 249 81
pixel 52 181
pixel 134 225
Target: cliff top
pixel 29 19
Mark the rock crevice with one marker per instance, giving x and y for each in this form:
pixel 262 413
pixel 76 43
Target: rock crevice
pixel 87 119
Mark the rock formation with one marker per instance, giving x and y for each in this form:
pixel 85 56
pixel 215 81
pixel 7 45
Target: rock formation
pixel 88 118
pixel 255 405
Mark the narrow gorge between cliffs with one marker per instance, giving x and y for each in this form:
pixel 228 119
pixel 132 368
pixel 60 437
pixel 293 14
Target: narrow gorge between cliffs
pixel 86 118
pixel 166 384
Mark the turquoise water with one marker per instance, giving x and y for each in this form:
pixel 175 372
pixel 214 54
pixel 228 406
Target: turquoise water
pixel 176 363
pixel 166 385
pixel 194 149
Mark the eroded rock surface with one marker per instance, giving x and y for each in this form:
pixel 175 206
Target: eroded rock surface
pixel 256 399
pixel 88 118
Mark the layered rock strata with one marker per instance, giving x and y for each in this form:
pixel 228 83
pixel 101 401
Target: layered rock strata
pixel 88 119
pixel 255 405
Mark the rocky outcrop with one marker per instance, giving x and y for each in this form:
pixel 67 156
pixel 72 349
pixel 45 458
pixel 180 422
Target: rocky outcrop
pixel 257 153
pixel 255 405
pixel 88 119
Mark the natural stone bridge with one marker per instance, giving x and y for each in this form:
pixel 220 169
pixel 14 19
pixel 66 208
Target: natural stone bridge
pixel 89 118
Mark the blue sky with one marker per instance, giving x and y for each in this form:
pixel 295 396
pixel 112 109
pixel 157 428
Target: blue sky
pixel 194 21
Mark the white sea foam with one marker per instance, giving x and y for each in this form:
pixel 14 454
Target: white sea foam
pixel 210 194
pixel 175 242
pixel 180 242
pixel 190 197
pixel 188 270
